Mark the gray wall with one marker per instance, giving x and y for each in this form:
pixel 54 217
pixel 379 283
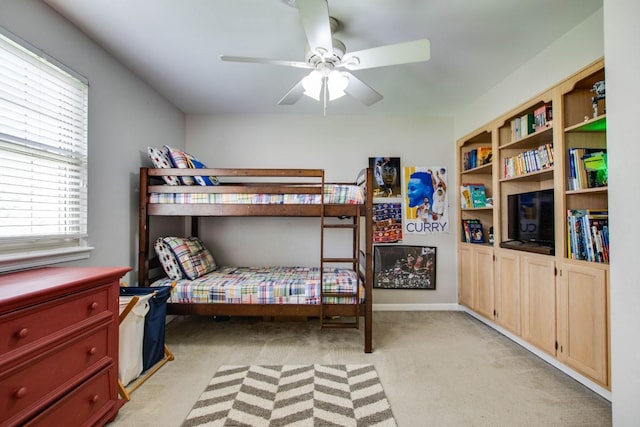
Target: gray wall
pixel 125 116
pixel 342 146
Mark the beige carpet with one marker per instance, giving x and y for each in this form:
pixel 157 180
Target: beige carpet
pixel 293 395
pixel 437 369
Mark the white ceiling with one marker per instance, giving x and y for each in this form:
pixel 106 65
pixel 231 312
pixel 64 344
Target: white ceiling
pixel 175 46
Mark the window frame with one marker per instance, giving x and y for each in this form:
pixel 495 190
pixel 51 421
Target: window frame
pixel 22 252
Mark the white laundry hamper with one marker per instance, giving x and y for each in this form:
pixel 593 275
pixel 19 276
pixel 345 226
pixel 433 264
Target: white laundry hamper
pixel 131 338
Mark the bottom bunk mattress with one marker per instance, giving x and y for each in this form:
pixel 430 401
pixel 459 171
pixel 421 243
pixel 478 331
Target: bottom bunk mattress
pixel 267 285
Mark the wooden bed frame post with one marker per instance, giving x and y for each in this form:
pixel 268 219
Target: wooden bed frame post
pixel 195 226
pixel 143 231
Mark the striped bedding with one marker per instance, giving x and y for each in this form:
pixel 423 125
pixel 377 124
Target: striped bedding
pixel 333 194
pixel 265 285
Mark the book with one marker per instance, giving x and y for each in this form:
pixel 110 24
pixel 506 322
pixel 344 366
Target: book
pixel 542 117
pixel 587 237
pixel 476 232
pixel 465 197
pixel 484 155
pixel 470 159
pixel 527 126
pixel 478 195
pixel 472 231
pixel 595 165
pixel 575 227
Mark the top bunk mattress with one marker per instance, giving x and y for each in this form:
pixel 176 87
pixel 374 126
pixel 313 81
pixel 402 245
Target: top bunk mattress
pixel 341 194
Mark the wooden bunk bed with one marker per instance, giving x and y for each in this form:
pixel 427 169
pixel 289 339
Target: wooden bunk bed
pixel 250 192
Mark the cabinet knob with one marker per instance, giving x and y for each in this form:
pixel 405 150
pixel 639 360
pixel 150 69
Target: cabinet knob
pixel 20 393
pixel 92 351
pixel 22 333
pixel 94 398
pixel 93 305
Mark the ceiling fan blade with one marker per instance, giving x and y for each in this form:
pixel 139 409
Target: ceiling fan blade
pixel 393 54
pixel 361 91
pixel 295 64
pixel 293 95
pixel 315 21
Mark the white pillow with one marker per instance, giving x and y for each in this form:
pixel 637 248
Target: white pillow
pixel 160 160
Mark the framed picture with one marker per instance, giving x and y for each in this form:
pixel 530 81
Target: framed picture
pixel 386 174
pixel 404 267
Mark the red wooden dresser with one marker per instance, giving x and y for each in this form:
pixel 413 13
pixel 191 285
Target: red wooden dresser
pixel 59 346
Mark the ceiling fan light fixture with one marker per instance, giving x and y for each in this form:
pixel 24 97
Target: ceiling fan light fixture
pixel 312 84
pixel 337 83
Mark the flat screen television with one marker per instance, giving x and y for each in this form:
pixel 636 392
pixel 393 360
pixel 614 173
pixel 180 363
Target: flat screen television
pixel 530 217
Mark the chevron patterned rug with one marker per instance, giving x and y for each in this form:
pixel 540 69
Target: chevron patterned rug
pixel 293 395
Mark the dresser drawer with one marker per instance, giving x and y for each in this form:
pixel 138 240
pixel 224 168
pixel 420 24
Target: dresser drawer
pixel 45 377
pixel 36 322
pixel 86 405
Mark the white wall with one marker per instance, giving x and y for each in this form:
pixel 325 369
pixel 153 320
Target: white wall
pixel 622 34
pixel 339 144
pixel 571 52
pixel 125 116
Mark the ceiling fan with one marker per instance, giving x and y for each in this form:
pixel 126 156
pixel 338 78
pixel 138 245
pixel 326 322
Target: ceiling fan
pixel 327 58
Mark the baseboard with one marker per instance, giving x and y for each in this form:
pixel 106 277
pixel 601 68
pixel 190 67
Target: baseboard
pixel 596 388
pixel 417 307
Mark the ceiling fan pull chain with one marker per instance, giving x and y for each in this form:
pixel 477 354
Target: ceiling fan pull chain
pixel 324 94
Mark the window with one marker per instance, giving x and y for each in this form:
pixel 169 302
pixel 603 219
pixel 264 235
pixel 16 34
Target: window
pixel 43 158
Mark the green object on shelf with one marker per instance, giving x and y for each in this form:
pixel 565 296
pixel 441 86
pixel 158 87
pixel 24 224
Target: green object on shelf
pixel 595 126
pixel 597 162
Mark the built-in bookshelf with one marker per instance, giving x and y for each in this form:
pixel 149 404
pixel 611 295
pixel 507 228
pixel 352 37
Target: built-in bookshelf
pixel 475 172
pixel 555 299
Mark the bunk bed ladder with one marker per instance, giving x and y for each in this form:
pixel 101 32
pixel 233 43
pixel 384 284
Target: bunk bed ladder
pixel 326 321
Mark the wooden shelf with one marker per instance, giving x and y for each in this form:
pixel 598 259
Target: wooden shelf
pixel 597 124
pixel 532 176
pixel 595 190
pixel 486 208
pixel 535 139
pixel 484 169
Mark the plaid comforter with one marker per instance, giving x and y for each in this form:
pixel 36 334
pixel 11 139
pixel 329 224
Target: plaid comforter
pixel 266 285
pixel 333 194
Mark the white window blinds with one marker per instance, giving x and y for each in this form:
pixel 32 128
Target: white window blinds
pixel 43 151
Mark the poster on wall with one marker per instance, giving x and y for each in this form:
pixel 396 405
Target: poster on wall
pixel 386 174
pixel 387 222
pixel 404 267
pixel 426 200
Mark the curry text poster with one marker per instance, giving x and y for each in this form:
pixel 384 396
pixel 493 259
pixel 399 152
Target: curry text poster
pixel 426 199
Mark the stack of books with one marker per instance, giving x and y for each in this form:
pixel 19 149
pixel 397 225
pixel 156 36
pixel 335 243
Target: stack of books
pixel 529 161
pixel 477 157
pixel 588 236
pixel 525 125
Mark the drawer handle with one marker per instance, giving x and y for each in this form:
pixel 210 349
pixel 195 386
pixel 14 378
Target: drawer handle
pixel 93 305
pixel 92 351
pixel 20 393
pixel 22 333
pixel 94 398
